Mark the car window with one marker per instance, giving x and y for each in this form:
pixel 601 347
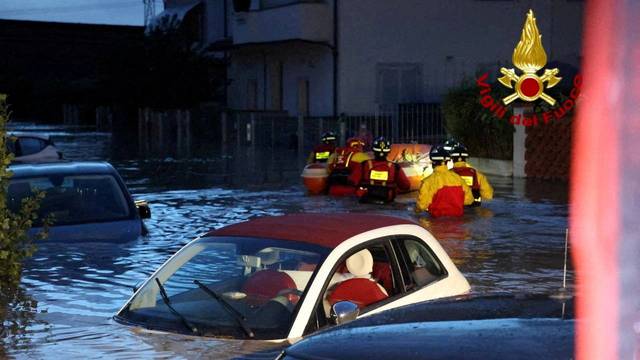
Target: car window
pixel 365 278
pixel 261 279
pixel 418 264
pixel 73 199
pixel 30 146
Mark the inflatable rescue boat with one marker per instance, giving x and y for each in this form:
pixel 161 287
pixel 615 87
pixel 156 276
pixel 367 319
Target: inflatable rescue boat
pixel 413 160
pixel 315 178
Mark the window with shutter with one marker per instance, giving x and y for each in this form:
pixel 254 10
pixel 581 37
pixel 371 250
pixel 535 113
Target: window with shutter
pixel 398 83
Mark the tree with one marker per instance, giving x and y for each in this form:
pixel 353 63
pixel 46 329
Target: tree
pixel 15 243
pixel 476 127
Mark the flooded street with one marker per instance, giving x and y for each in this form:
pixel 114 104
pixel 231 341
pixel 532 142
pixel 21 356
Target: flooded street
pixel 513 244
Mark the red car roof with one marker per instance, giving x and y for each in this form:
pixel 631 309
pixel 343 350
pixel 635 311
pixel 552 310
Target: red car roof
pixel 328 230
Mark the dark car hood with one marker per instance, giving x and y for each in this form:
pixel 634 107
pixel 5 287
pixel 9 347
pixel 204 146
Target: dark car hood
pixel 496 327
pixel 120 231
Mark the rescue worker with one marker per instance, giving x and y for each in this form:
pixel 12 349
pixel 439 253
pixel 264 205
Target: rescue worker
pixel 448 145
pixel 380 179
pixel 342 163
pixel 480 187
pixel 321 152
pixel 443 193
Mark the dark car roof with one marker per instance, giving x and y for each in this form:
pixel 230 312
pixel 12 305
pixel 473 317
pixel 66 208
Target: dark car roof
pixel 494 327
pixel 62 167
pixel 328 230
pixel 19 134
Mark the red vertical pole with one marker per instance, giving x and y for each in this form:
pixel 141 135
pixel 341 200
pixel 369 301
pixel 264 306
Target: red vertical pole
pixel 595 184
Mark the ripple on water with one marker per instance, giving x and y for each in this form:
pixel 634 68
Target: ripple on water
pixel 514 244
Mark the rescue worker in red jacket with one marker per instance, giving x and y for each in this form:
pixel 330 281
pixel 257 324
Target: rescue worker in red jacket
pixel 321 152
pixel 443 193
pixel 480 187
pixel 380 179
pixel 342 163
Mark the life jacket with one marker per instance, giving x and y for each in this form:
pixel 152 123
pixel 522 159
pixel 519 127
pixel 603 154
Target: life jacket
pixel 343 158
pixel 379 178
pixel 340 169
pixel 322 152
pixel 470 176
pixel 447 201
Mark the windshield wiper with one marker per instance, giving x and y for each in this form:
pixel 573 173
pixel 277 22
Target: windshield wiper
pixel 237 316
pixel 167 302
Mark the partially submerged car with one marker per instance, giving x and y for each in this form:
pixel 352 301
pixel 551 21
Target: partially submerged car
pixel 486 327
pixel 86 201
pixel 276 278
pixel 32 148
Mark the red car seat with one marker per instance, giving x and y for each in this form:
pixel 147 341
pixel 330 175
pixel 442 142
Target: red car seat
pixel 382 272
pixel 360 290
pixel 264 285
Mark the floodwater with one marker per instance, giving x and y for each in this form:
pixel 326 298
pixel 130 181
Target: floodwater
pixel 70 292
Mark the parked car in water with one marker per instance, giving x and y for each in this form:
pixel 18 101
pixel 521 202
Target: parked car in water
pixel 32 148
pixel 87 201
pixel 276 278
pixel 493 327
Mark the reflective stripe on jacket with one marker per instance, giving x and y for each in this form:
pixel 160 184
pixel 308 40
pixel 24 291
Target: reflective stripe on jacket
pixel 443 193
pixel 321 153
pixel 381 175
pixel 480 187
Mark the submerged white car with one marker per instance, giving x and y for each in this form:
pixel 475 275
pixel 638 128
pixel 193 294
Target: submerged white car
pixel 276 278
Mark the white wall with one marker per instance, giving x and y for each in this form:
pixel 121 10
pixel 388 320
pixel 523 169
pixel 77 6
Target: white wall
pixel 308 21
pixel 300 61
pixel 450 39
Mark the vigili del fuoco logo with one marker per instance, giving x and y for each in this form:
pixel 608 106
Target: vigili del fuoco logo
pixel 529 57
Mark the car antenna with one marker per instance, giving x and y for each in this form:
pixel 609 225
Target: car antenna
pixel 563 294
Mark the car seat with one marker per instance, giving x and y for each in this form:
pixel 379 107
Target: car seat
pixel 382 272
pixel 361 290
pixel 265 285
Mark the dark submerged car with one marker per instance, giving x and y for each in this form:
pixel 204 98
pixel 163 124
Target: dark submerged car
pixel 32 148
pixel 87 201
pixel 495 327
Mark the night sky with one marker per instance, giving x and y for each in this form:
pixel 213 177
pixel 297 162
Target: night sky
pixel 121 12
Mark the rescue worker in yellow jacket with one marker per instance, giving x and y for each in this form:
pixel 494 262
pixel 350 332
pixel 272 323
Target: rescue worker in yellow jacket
pixel 480 187
pixel 443 193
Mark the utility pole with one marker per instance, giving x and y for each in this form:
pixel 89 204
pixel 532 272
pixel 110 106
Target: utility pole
pixel 149 11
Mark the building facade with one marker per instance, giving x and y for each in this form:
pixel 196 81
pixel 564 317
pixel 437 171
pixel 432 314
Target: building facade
pixel 329 57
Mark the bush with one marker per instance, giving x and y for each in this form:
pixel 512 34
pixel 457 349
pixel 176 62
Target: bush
pixel 467 121
pixel 15 244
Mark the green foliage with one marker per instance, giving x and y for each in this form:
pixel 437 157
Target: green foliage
pixel 15 244
pixel 480 130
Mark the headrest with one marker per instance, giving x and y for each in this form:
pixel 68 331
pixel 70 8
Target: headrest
pixel 269 256
pixel 360 263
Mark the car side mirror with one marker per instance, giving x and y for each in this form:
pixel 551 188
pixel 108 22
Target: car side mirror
pixel 143 209
pixel 343 312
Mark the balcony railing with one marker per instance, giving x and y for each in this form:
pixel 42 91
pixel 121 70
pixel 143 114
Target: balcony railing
pixel 277 20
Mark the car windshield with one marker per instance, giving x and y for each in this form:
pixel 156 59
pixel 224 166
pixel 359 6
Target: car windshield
pixel 227 287
pixel 72 199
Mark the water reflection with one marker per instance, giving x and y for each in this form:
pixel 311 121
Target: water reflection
pixel 514 243
pixel 18 312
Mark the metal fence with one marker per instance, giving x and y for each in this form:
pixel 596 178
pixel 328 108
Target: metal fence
pixel 403 123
